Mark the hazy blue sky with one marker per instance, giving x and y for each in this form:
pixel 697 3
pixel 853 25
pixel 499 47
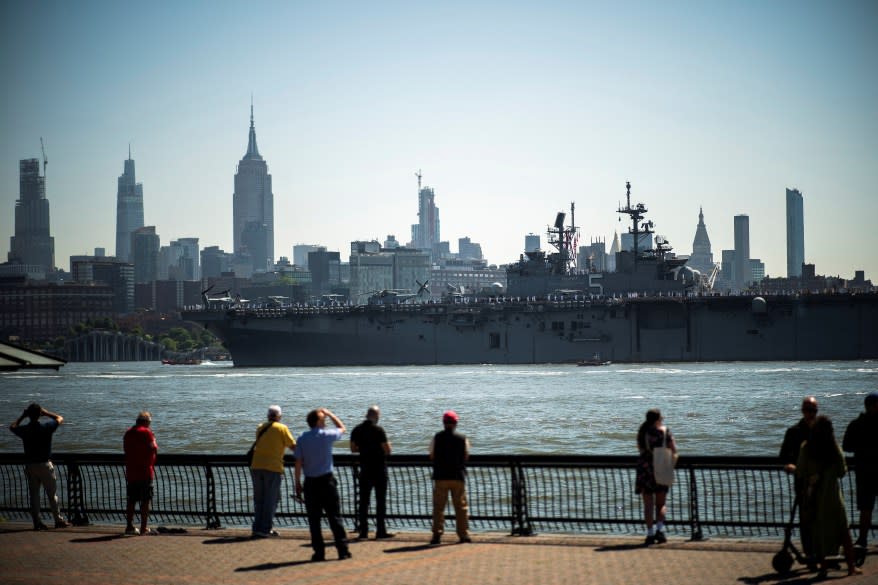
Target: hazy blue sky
pixel 511 109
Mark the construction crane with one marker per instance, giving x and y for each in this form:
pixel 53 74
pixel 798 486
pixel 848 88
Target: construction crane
pixel 45 160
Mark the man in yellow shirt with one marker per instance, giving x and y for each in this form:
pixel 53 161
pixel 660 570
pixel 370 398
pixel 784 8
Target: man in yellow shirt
pixel 267 470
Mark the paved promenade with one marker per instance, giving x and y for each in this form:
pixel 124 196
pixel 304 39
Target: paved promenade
pixel 102 555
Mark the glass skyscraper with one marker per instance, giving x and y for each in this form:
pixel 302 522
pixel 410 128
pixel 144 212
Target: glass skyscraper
pixel 795 233
pixel 129 210
pixel 742 252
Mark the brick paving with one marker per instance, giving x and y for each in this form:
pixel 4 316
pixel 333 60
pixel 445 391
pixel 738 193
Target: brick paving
pixel 102 555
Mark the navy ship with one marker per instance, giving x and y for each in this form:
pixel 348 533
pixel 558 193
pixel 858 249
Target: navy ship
pixel 652 309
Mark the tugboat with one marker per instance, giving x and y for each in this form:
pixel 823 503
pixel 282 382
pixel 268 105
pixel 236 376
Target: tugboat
pixel 183 362
pixel 594 361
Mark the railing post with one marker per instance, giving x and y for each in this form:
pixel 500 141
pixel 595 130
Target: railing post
pixel 75 496
pixel 694 522
pixel 520 523
pixel 210 512
pixel 355 480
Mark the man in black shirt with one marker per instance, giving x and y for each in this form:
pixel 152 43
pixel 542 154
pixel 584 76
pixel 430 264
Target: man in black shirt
pixel 37 439
pixel 861 438
pixel 370 441
pixel 449 452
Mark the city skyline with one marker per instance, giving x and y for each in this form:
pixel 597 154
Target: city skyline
pixel 511 114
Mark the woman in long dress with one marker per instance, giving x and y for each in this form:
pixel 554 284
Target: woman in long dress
pixel 820 466
pixel 651 435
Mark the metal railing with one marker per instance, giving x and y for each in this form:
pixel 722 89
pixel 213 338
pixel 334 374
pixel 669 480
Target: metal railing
pixel 521 494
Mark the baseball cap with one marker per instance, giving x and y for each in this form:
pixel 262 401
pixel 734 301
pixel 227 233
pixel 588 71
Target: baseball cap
pixel 450 417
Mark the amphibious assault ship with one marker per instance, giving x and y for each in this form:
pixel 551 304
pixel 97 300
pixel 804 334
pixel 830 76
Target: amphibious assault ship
pixel 652 309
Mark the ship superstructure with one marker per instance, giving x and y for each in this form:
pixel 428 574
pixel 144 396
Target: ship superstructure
pixel 642 271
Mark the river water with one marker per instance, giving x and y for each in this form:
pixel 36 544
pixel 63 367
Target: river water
pixel 711 408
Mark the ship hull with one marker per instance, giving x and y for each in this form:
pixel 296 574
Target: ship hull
pixel 830 327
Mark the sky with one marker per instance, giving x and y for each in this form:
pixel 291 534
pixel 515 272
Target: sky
pixel 511 111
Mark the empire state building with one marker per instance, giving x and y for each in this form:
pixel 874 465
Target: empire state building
pixel 253 208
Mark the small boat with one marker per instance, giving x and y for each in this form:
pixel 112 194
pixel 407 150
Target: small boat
pixel 594 361
pixel 186 362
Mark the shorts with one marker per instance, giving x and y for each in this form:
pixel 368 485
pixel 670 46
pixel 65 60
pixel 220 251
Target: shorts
pixel 867 489
pixel 140 491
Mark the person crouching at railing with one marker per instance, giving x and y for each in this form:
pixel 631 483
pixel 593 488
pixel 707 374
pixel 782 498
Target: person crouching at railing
pixel 651 436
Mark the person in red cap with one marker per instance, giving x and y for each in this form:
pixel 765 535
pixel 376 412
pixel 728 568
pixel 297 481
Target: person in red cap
pixel 449 451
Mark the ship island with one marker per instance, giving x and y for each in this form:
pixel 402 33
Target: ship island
pixel 652 308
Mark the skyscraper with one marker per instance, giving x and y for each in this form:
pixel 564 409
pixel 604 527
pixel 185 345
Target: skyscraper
pixel 615 248
pixel 145 245
pixel 425 233
pixel 129 210
pixel 253 207
pixel 795 233
pixel 742 251
pixel 32 244
pixel 702 257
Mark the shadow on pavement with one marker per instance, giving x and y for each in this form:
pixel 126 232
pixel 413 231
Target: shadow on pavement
pixel 616 547
pixel 414 548
pixel 800 577
pixel 227 540
pixel 104 538
pixel 271 566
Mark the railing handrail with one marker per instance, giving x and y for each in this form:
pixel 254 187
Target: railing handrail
pixel 523 492
pixel 746 461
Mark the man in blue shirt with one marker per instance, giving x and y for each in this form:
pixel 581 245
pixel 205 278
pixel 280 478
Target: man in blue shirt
pixel 314 458
pixel 40 471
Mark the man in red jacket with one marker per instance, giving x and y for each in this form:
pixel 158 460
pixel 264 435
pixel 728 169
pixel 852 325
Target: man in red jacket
pixel 140 453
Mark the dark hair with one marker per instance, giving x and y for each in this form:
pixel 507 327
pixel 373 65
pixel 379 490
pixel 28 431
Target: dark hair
pixel 823 446
pixel 33 410
pixel 312 418
pixel 652 415
pixel 870 399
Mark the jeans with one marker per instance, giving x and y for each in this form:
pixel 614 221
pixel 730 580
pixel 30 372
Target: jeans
pixel 321 494
pixel 370 479
pixel 266 493
pixel 42 474
pixel 441 488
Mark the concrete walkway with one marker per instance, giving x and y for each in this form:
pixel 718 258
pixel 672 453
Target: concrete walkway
pixel 102 555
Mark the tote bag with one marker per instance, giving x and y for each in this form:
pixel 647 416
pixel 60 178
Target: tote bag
pixel 663 461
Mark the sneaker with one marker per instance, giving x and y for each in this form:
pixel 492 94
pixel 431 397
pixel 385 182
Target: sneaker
pixel 318 558
pixel 269 534
pixel 436 539
pixel 660 538
pixel 61 523
pixel 362 535
pixel 650 539
pixel 384 535
pixel 344 554
pixel 148 532
pixel 40 526
pixel 464 540
pixel 131 530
